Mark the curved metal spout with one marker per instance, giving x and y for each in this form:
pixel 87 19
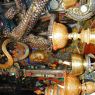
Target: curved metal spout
pixel 9 63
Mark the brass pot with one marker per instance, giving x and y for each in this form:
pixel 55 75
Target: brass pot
pixel 78 65
pixel 59 36
pixel 72 85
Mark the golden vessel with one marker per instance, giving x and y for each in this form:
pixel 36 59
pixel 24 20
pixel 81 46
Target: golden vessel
pixel 60 36
pixel 79 64
pixel 70 86
pixel 54 90
pixel 38 56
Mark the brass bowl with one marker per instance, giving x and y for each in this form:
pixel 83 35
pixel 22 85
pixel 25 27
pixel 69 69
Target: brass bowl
pixel 59 36
pixel 72 85
pixel 78 65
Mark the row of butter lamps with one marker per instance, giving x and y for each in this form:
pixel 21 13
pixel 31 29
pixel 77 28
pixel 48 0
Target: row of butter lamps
pixel 72 85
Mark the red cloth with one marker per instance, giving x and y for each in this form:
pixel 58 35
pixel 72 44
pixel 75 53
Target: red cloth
pixel 51 79
pixel 89 48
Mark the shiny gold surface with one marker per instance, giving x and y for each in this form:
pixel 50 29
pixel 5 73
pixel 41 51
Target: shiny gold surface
pixel 88 87
pixel 77 64
pixel 92 36
pixel 38 56
pixel 88 36
pixel 59 36
pixel 54 90
pixel 9 63
pixel 72 85
pixel 69 3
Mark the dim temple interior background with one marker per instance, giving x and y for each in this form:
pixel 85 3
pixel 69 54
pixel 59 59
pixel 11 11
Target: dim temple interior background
pixel 47 47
